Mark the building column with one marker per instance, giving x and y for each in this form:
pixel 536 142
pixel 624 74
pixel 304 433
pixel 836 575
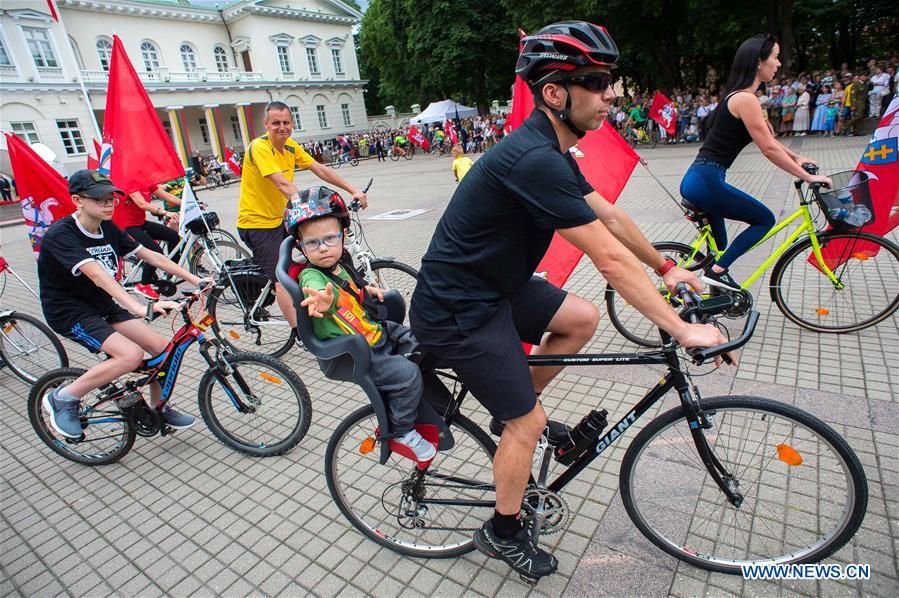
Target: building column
pixel 179 132
pixel 245 119
pixel 213 125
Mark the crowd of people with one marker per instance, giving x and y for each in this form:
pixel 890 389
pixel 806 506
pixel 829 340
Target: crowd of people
pixel 825 103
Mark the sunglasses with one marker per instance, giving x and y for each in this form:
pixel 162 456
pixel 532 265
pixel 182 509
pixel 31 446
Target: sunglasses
pixel 595 82
pixel 103 201
pixel 331 240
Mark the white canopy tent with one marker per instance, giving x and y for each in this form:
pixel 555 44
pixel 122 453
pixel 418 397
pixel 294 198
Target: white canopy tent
pixel 437 112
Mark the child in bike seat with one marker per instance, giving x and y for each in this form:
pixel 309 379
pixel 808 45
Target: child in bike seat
pixel 335 299
pixel 78 268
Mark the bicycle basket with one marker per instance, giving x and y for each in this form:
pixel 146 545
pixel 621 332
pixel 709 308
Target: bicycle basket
pixel 198 228
pixel 249 281
pixel 847 205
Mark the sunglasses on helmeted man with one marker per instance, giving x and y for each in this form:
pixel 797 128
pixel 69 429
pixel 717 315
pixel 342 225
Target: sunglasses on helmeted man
pixel 595 82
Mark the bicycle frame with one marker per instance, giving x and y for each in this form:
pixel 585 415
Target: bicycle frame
pixel 164 368
pixel 807 226
pixel 186 241
pixel 673 378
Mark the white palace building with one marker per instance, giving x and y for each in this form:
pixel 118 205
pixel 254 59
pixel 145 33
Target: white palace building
pixel 209 69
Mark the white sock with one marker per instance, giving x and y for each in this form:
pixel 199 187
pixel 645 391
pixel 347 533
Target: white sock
pixel 65 395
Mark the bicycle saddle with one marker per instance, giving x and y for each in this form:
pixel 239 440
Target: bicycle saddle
pixel 687 205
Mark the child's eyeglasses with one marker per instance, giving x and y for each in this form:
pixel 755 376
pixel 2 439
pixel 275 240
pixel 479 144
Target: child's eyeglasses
pixel 595 82
pixel 331 240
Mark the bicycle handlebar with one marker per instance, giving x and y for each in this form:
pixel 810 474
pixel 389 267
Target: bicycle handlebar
pixel 691 312
pixel 355 206
pixel 190 297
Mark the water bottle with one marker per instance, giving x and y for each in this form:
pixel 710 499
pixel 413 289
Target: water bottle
pixel 582 437
pixel 859 216
pixel 838 214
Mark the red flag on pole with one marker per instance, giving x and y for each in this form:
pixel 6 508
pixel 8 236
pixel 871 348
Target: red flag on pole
pixel 93 162
pixel 141 152
pixel 451 131
pixel 663 112
pixel 44 193
pixel 416 137
pixel 232 161
pixel 53 11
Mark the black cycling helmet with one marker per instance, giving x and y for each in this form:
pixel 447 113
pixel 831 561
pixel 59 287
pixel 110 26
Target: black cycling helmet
pixel 313 203
pixel 564 46
pixel 559 48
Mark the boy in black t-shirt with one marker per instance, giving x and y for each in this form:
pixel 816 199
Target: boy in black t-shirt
pixel 78 270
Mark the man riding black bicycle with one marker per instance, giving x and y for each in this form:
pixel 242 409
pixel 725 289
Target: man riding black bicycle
pixel 477 298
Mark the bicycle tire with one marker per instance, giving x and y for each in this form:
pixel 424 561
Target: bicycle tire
pixel 361 487
pixel 630 323
pixel 824 303
pixel 390 274
pixel 394 156
pixel 220 235
pixel 229 325
pixel 226 251
pixel 244 433
pixel 111 415
pixel 669 477
pixel 408 155
pixel 652 139
pixel 14 337
pixel 354 162
pixel 336 164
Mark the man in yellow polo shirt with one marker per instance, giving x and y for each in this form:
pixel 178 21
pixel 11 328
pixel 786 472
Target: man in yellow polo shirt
pixel 265 187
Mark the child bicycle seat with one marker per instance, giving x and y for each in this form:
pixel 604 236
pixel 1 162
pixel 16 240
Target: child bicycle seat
pixel 348 359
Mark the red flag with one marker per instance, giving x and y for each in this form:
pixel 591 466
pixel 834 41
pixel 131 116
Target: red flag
pixel 451 131
pixel 522 100
pixel 233 162
pixel 880 159
pixel 93 163
pixel 53 11
pixel 418 139
pixel 664 112
pixel 142 154
pixel 43 191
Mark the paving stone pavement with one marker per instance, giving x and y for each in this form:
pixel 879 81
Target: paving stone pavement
pixel 186 516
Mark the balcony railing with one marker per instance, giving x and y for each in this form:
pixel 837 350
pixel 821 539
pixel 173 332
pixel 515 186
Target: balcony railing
pixel 48 72
pixel 8 71
pixel 166 76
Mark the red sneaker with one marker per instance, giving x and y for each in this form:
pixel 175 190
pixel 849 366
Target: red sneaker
pixel 146 290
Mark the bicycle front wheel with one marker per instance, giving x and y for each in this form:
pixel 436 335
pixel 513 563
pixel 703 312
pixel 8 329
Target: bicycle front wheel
pixel 804 490
pixel 106 434
pixel 633 325
pixel 29 348
pixel 867 267
pixel 406 510
pixel 388 274
pixel 408 154
pixel 255 404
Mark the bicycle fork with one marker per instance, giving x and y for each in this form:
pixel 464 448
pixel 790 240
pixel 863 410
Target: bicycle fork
pixel 222 372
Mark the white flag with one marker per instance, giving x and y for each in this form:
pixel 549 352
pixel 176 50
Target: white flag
pixel 190 208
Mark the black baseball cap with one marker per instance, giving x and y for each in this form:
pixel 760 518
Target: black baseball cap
pixel 91 183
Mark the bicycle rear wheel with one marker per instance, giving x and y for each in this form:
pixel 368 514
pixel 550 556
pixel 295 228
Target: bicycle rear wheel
pixel 271 336
pixel 805 492
pixel 388 274
pixel 106 437
pixel 203 265
pixel 395 156
pixel 29 348
pixel 260 408
pixel 394 507
pixel 633 325
pixel 866 265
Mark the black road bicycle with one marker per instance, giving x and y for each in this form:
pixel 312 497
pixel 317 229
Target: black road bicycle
pixel 716 482
pixel 252 403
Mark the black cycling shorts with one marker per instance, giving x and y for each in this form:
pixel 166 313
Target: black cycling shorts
pixel 491 361
pixel 91 327
pixel 265 243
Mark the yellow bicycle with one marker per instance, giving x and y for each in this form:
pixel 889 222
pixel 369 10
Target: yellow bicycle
pixel 840 280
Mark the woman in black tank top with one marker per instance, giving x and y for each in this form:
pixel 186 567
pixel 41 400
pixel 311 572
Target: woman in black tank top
pixel 735 123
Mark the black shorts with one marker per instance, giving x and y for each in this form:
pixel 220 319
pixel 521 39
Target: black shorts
pixel 91 328
pixel 265 244
pixel 491 361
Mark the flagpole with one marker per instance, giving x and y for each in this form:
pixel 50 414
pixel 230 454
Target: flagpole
pixel 67 43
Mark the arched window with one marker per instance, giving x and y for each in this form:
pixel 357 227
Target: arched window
pixel 150 53
pixel 188 57
pixel 221 59
pixel 104 51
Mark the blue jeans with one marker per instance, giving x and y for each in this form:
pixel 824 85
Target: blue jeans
pixel 704 187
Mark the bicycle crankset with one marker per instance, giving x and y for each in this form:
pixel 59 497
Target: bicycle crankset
pixel 145 421
pixel 742 305
pixel 546 508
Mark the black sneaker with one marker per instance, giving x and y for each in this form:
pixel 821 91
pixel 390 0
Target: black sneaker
pixel 519 552
pixel 721 280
